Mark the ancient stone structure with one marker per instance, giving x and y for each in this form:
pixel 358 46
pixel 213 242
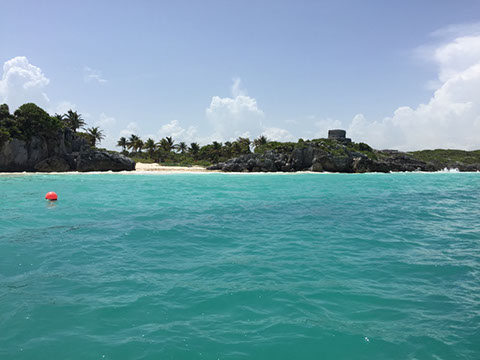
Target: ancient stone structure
pixel 338 135
pixel 340 155
pixel 312 158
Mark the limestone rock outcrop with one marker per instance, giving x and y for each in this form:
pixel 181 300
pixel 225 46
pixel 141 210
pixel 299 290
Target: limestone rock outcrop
pixel 335 154
pixel 312 158
pixel 64 151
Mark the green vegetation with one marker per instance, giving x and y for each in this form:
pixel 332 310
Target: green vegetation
pixel 29 119
pixel 167 152
pixel 170 153
pixel 447 157
pixel 330 146
pixel 94 135
pixel 74 121
pixel 277 146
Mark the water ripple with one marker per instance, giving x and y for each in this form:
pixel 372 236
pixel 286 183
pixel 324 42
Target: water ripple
pixel 229 266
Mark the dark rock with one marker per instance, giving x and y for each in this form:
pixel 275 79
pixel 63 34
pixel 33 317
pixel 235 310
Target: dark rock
pixel 332 156
pixel 14 156
pixel 266 165
pixel 63 151
pixel 218 166
pixel 317 167
pixel 462 167
pixel 53 164
pixel 37 150
pixel 95 160
pixel 315 159
pixel 302 158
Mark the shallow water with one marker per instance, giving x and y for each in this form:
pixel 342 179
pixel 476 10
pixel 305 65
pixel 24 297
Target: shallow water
pixel 222 266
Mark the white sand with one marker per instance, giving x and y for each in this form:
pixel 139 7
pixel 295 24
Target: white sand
pixel 143 167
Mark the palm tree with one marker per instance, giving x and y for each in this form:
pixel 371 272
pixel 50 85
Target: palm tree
pixel 95 135
pixel 214 151
pixel 164 145
pixel 59 117
pixel 139 145
pixel 236 148
pixel 150 146
pixel 167 143
pixel 194 149
pixel 244 145
pixel 182 147
pixel 74 120
pixel 132 142
pixel 171 142
pixel 244 141
pixel 227 148
pixel 261 140
pixel 122 142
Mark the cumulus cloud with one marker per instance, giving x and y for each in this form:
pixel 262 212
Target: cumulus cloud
pixel 235 116
pixel 277 134
pixel 450 119
pixel 457 30
pixel 132 128
pixel 90 75
pixel 175 130
pixel 22 82
pixel 105 121
pixel 62 107
pixel 107 125
pixel 237 89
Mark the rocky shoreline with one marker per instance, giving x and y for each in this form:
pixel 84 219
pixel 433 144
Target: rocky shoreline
pixel 341 157
pixel 64 151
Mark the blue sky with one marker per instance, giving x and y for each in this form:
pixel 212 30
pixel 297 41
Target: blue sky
pixel 390 72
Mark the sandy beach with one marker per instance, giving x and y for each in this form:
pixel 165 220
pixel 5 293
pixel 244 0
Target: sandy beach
pixel 144 167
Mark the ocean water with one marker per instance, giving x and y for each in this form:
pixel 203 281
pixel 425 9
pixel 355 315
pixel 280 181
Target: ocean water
pixel 223 266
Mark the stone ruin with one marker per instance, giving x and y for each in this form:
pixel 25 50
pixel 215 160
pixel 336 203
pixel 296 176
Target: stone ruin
pixel 339 135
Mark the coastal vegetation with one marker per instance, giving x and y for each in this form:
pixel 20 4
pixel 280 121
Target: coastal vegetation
pixel 168 152
pixel 29 119
pixel 448 158
pixel 33 140
pixel 336 153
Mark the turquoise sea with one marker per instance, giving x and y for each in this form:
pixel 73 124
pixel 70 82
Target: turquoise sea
pixel 223 266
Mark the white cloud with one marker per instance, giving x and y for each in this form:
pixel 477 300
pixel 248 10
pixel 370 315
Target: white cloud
pixel 132 128
pixel 450 119
pixel 22 82
pixel 106 124
pixel 90 75
pixel 236 88
pixel 235 116
pixel 105 121
pixel 457 30
pixel 175 130
pixel 457 56
pixel 62 107
pixel 277 134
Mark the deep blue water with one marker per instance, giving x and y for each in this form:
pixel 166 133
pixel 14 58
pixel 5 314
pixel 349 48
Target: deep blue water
pixel 222 266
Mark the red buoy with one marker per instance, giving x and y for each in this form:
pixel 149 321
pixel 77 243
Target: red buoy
pixel 51 196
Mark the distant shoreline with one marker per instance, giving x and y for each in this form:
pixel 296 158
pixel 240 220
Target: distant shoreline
pixel 154 167
pixel 148 168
